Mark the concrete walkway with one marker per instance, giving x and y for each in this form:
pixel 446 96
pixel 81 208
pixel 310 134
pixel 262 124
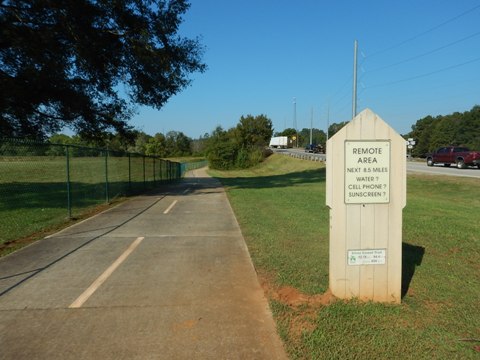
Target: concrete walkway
pixel 163 276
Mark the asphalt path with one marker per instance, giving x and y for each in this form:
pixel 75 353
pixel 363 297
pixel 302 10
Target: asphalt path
pixel 162 276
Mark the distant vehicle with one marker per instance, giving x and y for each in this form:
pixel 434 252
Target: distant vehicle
pixel 460 156
pixel 312 148
pixel 280 142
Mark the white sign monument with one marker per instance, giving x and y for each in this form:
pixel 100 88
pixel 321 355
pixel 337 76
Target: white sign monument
pixel 366 193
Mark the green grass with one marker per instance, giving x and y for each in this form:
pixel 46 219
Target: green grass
pixel 33 190
pixel 280 206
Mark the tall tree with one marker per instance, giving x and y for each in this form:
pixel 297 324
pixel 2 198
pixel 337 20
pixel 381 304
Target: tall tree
pixel 140 144
pixel 318 137
pixel 177 144
pixel 62 62
pixel 422 132
pixel 222 149
pixel 254 131
pixel 156 145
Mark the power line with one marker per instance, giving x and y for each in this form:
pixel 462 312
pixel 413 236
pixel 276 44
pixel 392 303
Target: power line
pixel 424 75
pixel 424 54
pixel 424 32
pixel 341 87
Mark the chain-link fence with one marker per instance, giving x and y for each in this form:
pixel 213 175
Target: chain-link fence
pixel 42 184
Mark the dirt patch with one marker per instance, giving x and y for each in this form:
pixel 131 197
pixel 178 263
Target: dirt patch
pixel 303 317
pixel 293 297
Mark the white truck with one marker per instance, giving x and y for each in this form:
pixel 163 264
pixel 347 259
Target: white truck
pixel 280 142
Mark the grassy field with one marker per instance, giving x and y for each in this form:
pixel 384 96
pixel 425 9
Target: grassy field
pixel 280 206
pixel 33 190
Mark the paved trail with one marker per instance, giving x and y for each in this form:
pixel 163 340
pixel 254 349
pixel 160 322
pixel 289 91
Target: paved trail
pixel 163 276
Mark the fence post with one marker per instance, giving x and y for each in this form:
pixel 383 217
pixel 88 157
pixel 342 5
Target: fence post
pixel 144 179
pixel 161 170
pixel 69 200
pixel 129 174
pixel 154 180
pixel 106 177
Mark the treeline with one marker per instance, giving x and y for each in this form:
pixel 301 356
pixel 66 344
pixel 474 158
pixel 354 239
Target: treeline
pixel 318 136
pixel 429 133
pixel 459 129
pixel 244 145
pixel 172 144
pixel 239 147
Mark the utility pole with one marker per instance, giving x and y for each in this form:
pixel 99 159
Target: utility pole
pixel 311 126
pixel 354 99
pixel 328 117
pixel 295 118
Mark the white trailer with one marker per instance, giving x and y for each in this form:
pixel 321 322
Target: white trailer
pixel 280 142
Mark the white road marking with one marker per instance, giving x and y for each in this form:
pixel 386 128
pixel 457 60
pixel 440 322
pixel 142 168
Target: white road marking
pixel 170 207
pixel 106 274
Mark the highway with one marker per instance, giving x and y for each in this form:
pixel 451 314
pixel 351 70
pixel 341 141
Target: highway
pixel 412 166
pixel 421 167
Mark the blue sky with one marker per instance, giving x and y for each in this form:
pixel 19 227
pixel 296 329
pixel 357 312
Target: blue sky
pixel 415 58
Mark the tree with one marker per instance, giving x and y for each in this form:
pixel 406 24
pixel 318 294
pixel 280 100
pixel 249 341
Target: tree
pixel 461 129
pixel 199 145
pixel 222 149
pixel 254 131
pixel 468 133
pixel 240 147
pixel 335 127
pixel 287 132
pixel 61 139
pixel 422 132
pixel 140 144
pixel 156 146
pixel 177 144
pixel 63 61
pixel 444 133
pixel 318 137
pixel 292 134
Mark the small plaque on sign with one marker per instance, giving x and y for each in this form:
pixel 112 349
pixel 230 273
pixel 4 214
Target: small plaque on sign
pixel 367 257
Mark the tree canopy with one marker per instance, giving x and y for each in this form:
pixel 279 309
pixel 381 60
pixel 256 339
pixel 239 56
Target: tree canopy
pixel 239 147
pixel 336 127
pixel 62 63
pixel 254 131
pixel 460 129
pixel 174 143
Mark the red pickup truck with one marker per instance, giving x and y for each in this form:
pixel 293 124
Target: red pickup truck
pixel 460 156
